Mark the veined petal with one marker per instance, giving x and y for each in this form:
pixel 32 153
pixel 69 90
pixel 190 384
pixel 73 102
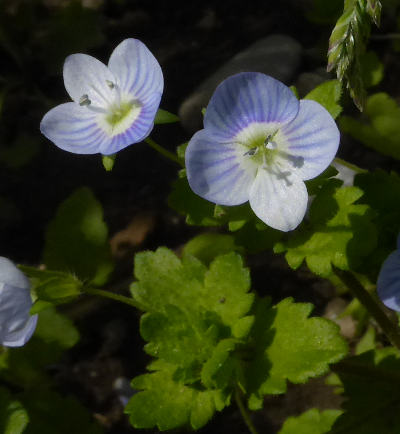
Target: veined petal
pixel 279 199
pixel 388 284
pixel 137 71
pixel 21 335
pixel 137 130
pixel 11 275
pixel 311 140
pixel 85 75
pixel 74 129
pixel 247 98
pixel 217 171
pixel 16 324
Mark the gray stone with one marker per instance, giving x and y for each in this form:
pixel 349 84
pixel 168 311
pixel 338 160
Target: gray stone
pixel 277 55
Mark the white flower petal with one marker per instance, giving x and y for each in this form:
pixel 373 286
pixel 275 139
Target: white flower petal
pixel 388 285
pixel 137 71
pixel 218 172
pixel 246 98
pixel 74 129
pixel 85 75
pixel 11 275
pixel 279 199
pixel 20 336
pixel 311 139
pixel 16 324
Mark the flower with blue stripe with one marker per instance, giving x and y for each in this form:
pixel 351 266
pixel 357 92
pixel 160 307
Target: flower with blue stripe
pixel 113 106
pixel 259 144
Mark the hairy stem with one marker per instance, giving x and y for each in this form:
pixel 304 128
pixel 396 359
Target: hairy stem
pixel 244 413
pixel 374 308
pixel 107 294
pixel 163 151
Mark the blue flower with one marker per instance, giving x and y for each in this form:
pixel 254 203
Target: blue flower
pixel 114 106
pixel 16 324
pixel 388 284
pixel 259 144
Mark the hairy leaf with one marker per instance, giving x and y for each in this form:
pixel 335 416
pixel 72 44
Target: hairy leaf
pixel 77 239
pixel 289 346
pixel 335 234
pixel 312 421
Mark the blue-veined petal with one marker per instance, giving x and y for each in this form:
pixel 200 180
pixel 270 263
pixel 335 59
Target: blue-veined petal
pixel 16 324
pixel 11 275
pixel 85 75
pixel 137 71
pixel 219 172
pixel 246 98
pixel 279 199
pixel 311 139
pixel 388 284
pixel 137 130
pixel 74 129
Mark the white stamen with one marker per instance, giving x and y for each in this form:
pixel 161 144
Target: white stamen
pixel 110 84
pixel 251 152
pixel 84 100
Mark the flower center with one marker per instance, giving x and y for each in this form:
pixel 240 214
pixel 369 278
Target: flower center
pixel 118 113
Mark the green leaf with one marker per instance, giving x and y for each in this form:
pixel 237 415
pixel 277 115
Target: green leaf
pixel 382 131
pixel 347 45
pixel 381 193
pixel 194 319
pixel 13 417
pixel 289 346
pixel 52 286
pixel 198 211
pixel 328 95
pixel 77 239
pixel 312 421
pixel 108 161
pixel 164 117
pixel 207 246
pixel 50 413
pixel 24 366
pixel 372 69
pixel 168 404
pixel 370 383
pixel 335 234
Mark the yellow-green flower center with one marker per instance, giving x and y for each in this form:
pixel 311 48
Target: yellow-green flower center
pixel 119 113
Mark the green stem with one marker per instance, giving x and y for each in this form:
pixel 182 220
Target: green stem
pixel 107 294
pixel 243 412
pixel 353 284
pixel 163 151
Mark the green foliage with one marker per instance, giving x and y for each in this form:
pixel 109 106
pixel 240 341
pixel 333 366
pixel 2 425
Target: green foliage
pixel 328 95
pixel 371 68
pixel 347 44
pixel 208 338
pixel 51 413
pixel 51 287
pixel 289 346
pixel 77 239
pixel 108 161
pixel 249 231
pixel 381 128
pixel 24 366
pixel 311 422
pixel 13 417
pixel 369 382
pixel 335 234
pixel 164 117
pixel 209 245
